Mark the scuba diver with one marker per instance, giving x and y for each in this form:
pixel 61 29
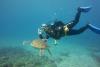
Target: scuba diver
pixel 58 29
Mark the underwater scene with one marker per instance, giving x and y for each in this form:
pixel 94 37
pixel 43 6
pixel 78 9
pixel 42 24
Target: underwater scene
pixel 49 33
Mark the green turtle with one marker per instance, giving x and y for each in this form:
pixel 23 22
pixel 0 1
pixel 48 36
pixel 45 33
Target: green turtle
pixel 41 45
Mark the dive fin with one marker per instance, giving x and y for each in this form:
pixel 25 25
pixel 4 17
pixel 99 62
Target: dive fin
pixel 94 29
pixel 84 9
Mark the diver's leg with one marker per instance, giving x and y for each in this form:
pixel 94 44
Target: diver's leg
pixel 75 21
pixel 79 31
pixel 77 17
pixel 94 29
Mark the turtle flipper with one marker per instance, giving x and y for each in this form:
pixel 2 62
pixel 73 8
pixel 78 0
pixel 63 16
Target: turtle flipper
pixel 41 53
pixel 26 42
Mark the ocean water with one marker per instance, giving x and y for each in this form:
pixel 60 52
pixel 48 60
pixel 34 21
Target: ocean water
pixel 20 19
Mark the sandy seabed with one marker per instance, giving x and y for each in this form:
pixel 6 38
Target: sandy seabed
pixel 62 57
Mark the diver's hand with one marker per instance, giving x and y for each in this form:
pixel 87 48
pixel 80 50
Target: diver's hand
pixel 55 42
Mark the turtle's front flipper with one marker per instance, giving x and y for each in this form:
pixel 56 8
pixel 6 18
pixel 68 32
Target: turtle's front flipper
pixel 26 42
pixel 41 53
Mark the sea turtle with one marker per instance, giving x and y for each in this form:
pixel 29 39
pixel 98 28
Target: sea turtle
pixel 40 44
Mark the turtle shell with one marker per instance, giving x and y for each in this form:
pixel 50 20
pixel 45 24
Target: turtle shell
pixel 38 43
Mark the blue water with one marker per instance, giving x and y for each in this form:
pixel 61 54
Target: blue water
pixel 20 19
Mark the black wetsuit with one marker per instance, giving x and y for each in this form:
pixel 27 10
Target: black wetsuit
pixel 56 33
pixel 73 23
